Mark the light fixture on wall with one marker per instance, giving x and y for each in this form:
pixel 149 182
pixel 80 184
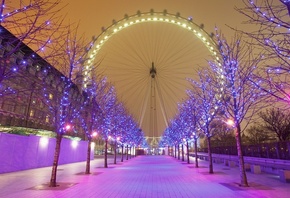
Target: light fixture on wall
pixel 43 142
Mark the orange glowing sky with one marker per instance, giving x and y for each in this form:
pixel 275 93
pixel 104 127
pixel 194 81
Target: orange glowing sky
pixel 94 14
pixel 132 81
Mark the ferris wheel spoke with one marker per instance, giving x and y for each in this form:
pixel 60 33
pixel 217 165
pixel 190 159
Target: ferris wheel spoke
pixel 149 58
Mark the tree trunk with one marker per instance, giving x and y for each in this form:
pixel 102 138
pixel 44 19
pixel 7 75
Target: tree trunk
pixel 135 152
pixel 122 157
pixel 106 154
pixel 195 148
pixel 209 155
pixel 55 160
pixel 127 148
pixel 243 176
pixel 178 152
pixel 187 148
pixel 182 152
pixel 115 152
pixel 88 165
pixel 175 150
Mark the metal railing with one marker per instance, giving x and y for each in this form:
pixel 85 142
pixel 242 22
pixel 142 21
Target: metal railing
pixel 277 150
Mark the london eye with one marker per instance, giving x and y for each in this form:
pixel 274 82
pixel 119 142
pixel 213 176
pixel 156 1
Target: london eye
pixel 148 57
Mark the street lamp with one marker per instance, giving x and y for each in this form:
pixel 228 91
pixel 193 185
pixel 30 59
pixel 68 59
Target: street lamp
pixel 68 127
pixel 94 134
pixel 230 122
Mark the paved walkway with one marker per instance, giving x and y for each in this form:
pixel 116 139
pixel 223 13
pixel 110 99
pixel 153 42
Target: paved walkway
pixel 140 177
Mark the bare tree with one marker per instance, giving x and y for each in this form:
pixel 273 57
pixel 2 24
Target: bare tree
pixel 223 135
pixel 256 134
pixel 276 121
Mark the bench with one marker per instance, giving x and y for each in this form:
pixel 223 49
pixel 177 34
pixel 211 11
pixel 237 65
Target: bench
pixel 284 176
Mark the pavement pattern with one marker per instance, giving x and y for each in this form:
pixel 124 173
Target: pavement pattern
pixel 141 177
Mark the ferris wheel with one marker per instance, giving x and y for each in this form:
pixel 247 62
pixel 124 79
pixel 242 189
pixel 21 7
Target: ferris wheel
pixel 148 57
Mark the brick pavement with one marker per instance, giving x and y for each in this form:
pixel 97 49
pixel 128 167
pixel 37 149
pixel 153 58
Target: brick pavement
pixel 140 177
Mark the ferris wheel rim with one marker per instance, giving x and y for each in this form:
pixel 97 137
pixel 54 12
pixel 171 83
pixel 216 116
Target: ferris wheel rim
pixel 141 17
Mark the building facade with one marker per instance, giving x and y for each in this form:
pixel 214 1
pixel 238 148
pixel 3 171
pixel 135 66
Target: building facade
pixel 26 83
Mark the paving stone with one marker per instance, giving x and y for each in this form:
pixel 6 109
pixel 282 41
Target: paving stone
pixel 141 177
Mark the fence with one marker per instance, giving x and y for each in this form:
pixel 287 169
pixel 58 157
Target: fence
pixel 277 150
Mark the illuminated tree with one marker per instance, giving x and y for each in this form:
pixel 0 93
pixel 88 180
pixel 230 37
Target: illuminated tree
pixel 126 127
pixel 107 106
pixel 131 134
pixel 205 95
pixel 186 120
pixel 24 26
pixel 137 136
pixel 240 96
pixel 91 113
pixel 268 27
pixel 117 126
pixel 67 99
pixel 183 118
pixel 168 139
pixel 176 133
pixel 36 24
pixel 172 135
pixel 193 117
pixel 180 124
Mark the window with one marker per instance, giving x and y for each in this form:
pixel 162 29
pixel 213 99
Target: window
pixel 41 105
pixel 8 107
pixel 20 109
pixel 47 118
pixel 31 113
